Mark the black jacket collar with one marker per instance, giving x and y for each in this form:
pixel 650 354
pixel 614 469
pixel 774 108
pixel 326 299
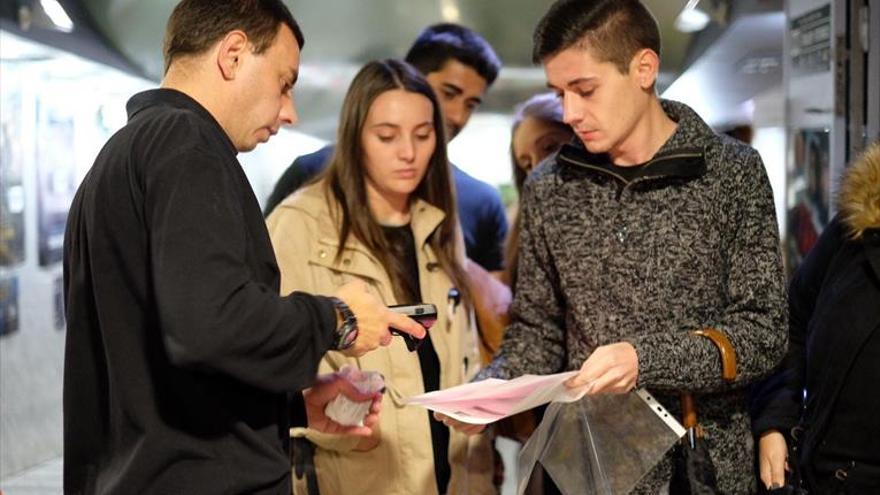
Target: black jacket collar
pixel 684 163
pixel 179 100
pixel 681 157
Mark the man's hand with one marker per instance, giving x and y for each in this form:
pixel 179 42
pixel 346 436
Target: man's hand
pixel 772 452
pixel 373 319
pixel 610 369
pixel 466 428
pixel 325 389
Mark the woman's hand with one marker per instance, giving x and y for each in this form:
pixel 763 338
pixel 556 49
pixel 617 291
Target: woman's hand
pixel 772 454
pixel 466 428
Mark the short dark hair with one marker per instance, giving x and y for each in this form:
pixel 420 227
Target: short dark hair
pixel 438 43
pixel 195 25
pixel 615 30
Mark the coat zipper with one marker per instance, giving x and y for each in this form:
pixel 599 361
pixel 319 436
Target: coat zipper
pixel 625 182
pixel 623 232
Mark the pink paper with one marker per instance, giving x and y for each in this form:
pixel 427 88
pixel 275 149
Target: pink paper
pixel 490 400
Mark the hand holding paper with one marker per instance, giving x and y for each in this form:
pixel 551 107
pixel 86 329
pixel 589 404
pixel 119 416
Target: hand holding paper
pixel 466 428
pixel 610 369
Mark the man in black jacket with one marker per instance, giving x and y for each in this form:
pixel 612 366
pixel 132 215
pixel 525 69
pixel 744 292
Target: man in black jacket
pixel 180 353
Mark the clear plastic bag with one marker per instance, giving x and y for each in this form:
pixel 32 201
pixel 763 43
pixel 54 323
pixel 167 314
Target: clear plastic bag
pixel 601 444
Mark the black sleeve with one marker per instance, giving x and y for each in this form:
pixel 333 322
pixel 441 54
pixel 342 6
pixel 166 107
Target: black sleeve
pixel 298 416
pixel 213 312
pixel 776 402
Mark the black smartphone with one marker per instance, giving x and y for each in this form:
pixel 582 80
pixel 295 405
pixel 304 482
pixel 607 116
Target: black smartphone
pixel 425 314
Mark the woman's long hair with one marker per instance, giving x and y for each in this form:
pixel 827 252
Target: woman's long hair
pixel 545 107
pixel 346 176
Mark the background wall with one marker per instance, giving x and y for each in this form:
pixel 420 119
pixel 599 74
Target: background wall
pixel 52 128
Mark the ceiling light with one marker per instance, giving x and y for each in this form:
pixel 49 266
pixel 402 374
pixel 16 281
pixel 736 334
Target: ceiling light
pixel 691 19
pixel 450 11
pixel 57 14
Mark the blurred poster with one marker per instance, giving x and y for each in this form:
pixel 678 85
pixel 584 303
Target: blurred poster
pixel 11 189
pixel 808 193
pixel 810 36
pixel 8 305
pixel 56 178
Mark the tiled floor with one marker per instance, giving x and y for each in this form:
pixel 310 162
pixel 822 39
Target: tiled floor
pixel 44 479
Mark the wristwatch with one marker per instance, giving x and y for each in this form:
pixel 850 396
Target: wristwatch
pixel 347 332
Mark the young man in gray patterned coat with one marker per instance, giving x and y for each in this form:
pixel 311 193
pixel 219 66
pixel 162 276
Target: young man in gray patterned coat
pixel 649 228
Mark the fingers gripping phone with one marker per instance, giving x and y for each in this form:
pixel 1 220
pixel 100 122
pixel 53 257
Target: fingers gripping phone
pixel 425 314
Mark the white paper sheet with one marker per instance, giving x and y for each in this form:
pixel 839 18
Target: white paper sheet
pixel 493 399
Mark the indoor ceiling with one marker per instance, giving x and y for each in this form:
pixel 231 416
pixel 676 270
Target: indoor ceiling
pixel 356 31
pixel 341 35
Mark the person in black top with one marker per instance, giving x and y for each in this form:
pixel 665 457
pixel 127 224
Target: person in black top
pixel 822 404
pixel 180 354
pixel 460 66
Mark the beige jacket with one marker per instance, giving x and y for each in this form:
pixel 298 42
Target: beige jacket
pixel 306 238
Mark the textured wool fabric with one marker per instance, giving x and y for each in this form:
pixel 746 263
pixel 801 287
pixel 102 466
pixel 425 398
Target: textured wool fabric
pixel 691 243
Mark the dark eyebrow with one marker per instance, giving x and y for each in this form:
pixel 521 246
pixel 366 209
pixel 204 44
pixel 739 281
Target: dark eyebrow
pixel 452 87
pixel 581 80
pixel 293 76
pixel 459 91
pixel 426 123
pixel 574 82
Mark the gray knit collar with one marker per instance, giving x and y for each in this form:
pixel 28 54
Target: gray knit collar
pixel 692 131
pixel 682 156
